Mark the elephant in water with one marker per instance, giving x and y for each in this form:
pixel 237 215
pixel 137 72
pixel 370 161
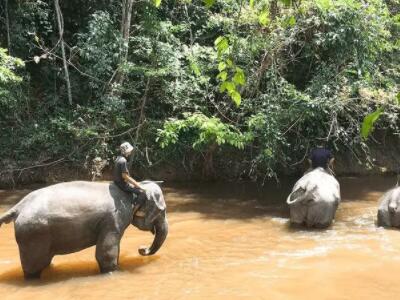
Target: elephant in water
pixel 314 199
pixel 71 216
pixel 389 209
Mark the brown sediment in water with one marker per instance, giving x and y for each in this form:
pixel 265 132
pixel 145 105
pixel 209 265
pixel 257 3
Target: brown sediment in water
pixel 230 241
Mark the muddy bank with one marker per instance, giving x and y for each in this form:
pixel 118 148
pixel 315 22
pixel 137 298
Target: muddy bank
pixel 384 160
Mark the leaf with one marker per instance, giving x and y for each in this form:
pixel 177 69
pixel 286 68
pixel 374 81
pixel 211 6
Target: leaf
pixel 223 75
pixel 157 3
pixel 227 86
pixel 368 123
pixel 398 98
pixel 239 78
pixel 291 21
pixel 36 59
pixel 222 87
pixel 263 18
pixel 286 2
pixel 229 62
pixel 230 86
pixel 195 68
pixel 236 97
pixel 251 3
pixel 222 44
pixel 221 66
pixel 37 39
pixel 209 3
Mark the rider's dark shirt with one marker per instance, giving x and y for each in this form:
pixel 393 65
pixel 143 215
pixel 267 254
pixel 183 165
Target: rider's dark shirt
pixel 120 167
pixel 320 157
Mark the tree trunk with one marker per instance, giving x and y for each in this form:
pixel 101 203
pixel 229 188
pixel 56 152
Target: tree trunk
pixel 274 9
pixel 60 22
pixel 127 6
pixel 208 168
pixel 7 20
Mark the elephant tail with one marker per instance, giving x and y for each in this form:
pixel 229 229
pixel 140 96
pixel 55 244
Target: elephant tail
pixel 8 216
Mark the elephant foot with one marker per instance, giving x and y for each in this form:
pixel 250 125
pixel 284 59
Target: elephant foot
pixel 144 251
pixel 32 276
pixel 107 270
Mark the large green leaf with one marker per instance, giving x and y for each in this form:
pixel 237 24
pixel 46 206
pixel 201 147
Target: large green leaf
pixel 236 97
pixel 157 3
pixel 368 122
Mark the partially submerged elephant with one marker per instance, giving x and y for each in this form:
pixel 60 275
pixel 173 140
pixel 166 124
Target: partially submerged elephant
pixel 68 217
pixel 314 199
pixel 389 209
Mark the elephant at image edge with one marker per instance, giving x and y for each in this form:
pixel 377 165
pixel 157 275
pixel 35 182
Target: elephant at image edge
pixel 314 199
pixel 389 209
pixel 71 216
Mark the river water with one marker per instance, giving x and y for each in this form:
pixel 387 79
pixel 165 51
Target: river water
pixel 230 241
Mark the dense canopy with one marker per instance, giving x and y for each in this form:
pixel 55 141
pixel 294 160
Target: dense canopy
pixel 241 89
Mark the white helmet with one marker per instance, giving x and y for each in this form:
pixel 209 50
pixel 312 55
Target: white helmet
pixel 126 148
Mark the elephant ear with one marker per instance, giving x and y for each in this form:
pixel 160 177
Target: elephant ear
pixel 155 204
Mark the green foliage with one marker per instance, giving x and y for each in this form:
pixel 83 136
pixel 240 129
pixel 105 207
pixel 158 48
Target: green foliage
pixel 8 78
pixel 308 71
pixel 201 131
pixel 368 122
pixel 230 76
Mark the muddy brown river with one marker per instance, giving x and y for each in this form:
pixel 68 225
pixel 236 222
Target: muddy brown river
pixel 230 241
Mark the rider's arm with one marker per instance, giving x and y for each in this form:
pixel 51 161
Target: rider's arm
pixel 130 180
pixel 331 162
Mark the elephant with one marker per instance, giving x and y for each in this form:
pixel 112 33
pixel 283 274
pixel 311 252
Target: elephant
pixel 71 216
pixel 389 209
pixel 314 199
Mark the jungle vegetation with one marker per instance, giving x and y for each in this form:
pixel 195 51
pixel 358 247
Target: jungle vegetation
pixel 245 85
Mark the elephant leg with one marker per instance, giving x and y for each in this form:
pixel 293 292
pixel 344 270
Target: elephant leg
pixel 35 257
pixel 107 251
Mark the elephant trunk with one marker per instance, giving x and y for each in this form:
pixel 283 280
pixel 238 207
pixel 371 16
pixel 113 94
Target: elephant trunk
pixel 161 232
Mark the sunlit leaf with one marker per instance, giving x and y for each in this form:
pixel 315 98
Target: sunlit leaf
pixel 221 66
pixel 157 3
pixel 291 21
pixel 368 122
pixel 236 97
pixel 398 98
pixel 195 68
pixel 222 44
pixel 263 18
pixel 239 77
pixel 222 75
pixel 209 3
pixel 251 3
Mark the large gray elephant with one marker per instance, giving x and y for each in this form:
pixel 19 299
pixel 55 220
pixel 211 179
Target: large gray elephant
pixel 71 216
pixel 389 209
pixel 314 199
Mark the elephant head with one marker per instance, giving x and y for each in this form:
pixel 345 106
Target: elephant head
pixel 152 217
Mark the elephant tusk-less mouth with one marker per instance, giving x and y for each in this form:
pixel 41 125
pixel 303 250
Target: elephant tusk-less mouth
pixel 140 213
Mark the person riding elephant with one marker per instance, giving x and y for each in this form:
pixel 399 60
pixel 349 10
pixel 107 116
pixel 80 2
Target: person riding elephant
pixel 321 157
pixel 123 179
pixel 314 199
